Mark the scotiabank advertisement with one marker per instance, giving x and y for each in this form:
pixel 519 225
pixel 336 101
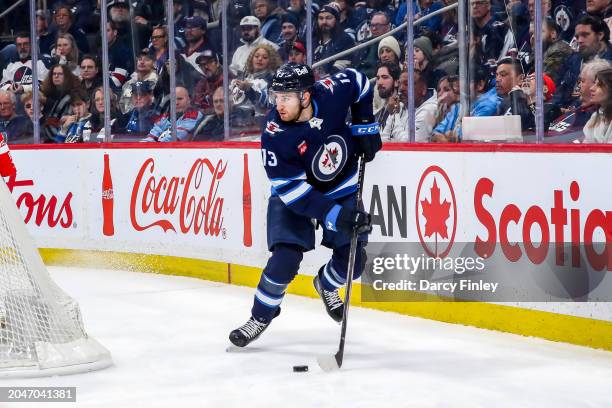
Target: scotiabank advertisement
pixel 512 225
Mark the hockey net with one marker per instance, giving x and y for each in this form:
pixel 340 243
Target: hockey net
pixel 41 330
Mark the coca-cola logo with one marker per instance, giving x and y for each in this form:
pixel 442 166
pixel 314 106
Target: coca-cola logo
pixel 187 204
pixel 43 209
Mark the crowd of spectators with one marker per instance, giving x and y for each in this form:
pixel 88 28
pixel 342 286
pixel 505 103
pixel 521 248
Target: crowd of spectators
pixel 263 34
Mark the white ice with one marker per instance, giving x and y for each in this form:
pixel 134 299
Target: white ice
pixel 168 339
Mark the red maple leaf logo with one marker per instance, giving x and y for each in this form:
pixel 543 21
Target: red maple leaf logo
pixel 436 213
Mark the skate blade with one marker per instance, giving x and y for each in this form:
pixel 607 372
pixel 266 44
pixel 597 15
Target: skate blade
pixel 328 363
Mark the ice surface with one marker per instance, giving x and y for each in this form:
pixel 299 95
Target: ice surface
pixel 168 339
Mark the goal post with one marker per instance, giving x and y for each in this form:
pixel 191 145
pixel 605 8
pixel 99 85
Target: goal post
pixel 41 329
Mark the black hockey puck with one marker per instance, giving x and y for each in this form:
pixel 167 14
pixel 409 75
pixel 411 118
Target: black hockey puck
pixel 300 368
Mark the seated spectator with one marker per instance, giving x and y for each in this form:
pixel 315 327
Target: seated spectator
pixel 364 13
pixel 423 61
pixel 251 37
pixel 63 24
pixel 484 100
pixel 270 23
pixel 421 9
pixel 297 54
pixel 187 120
pixel 97 115
pixel 17 127
pixel 66 53
pixel 593 39
pixel 289 35
pixel 145 71
pixel 17 76
pixel 329 39
pixel 197 43
pixel 570 125
pixel 529 89
pixel 387 83
pixel 599 127
pixel 448 93
pixel 76 127
pixel 389 50
pixel 555 50
pixel 349 18
pixel 138 121
pixel 601 9
pixel 135 31
pixel 212 68
pixel 91 77
pixel 120 59
pixel 212 127
pixel 298 8
pixel 46 38
pixel 253 90
pixel 57 87
pixel 159 47
pixel 489 35
pixel 186 75
pixel 28 107
pixel 508 80
pixel 366 60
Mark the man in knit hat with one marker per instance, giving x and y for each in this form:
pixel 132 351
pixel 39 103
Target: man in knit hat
pixel 389 50
pixel 289 34
pixel 329 39
pixel 367 59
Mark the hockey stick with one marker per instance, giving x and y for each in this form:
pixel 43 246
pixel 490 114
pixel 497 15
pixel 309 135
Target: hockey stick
pixel 329 363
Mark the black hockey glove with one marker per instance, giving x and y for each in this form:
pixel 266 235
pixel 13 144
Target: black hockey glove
pixel 350 218
pixel 368 139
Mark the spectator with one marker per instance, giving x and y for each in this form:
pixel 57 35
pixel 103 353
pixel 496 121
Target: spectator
pixel 253 90
pixel 489 34
pixel 120 60
pixel 76 127
pixel 130 35
pixel 187 120
pixel 426 102
pixel 556 51
pixel 565 13
pixel 17 76
pixel 297 55
pixel 364 15
pixel 389 50
pixel 423 61
pixel 63 21
pixel 97 114
pixel 66 53
pixel 28 107
pixel 289 35
pixel 195 34
pixel 387 82
pixel 601 9
pixel 145 71
pixel 186 75
pixel 329 39
pixel 349 19
pixel 546 9
pixel 57 87
pixel 270 23
pixel 210 65
pixel 46 39
pixel 508 80
pixel 448 93
pixel 17 127
pixel 90 74
pixel 421 9
pixel 484 100
pixel 298 8
pixel 159 47
pixel 570 125
pixel 599 127
pixel 593 39
pixel 138 121
pixel 366 59
pixel 251 38
pixel 212 127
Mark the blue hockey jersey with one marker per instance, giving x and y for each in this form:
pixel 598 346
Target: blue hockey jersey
pixel 311 164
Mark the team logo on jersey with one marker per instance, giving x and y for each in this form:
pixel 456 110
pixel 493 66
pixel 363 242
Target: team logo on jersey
pixel 315 123
pixel 272 128
pixel 23 76
pixel 330 159
pixel 328 83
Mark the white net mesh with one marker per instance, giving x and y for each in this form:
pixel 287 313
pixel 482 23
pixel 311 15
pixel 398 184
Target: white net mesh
pixel 40 326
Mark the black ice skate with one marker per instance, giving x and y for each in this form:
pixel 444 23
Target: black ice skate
pixel 331 299
pixel 249 331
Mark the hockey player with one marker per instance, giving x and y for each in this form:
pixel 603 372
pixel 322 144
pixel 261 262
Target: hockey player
pixel 311 156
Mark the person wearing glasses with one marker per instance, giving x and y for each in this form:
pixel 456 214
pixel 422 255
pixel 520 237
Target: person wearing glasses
pixel 15 126
pixel 159 47
pixel 63 24
pixel 367 59
pixel 145 71
pixel 58 86
pixel 17 76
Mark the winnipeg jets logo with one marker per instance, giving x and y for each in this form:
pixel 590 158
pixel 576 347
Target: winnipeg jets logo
pixel 272 128
pixel 328 83
pixel 315 123
pixel 330 159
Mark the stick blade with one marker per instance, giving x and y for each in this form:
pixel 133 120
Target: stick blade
pixel 329 363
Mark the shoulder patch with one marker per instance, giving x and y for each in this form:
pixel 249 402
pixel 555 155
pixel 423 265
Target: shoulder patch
pixel 273 127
